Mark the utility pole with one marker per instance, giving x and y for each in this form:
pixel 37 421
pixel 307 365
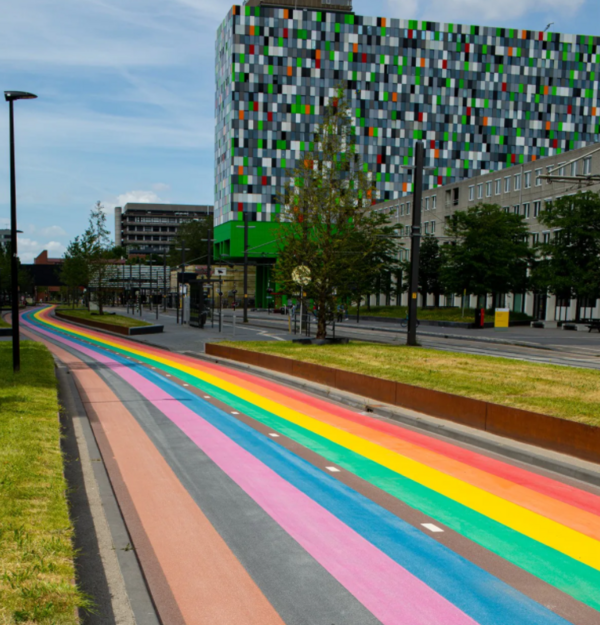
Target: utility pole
pixel 164 282
pixel 246 218
pixel 180 296
pixel 413 290
pixel 140 283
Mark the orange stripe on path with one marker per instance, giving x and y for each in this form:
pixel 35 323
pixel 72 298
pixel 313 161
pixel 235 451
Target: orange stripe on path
pixel 567 515
pixel 207 582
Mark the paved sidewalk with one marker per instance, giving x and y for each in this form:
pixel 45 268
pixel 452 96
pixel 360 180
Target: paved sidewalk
pixel 186 338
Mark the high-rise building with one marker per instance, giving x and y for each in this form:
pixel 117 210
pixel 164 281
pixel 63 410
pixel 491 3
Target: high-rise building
pixel 151 228
pixel 481 98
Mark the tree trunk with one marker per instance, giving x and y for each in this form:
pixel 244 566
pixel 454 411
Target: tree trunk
pixel 321 319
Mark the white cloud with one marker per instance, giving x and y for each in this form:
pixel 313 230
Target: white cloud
pixel 479 10
pixel 49 232
pixel 30 248
pixel 140 197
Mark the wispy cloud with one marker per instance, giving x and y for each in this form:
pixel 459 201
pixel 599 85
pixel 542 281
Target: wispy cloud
pixel 479 10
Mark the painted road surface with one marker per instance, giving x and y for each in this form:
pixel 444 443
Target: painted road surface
pixel 252 503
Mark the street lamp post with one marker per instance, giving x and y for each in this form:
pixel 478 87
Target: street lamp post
pixel 10 97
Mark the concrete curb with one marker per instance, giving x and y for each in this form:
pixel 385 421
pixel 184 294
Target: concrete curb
pixel 130 598
pixel 552 461
pixel 460 337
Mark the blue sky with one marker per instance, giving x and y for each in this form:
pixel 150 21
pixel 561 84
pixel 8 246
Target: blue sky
pixel 125 108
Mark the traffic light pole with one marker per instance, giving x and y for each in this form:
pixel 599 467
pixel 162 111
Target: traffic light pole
pixel 411 338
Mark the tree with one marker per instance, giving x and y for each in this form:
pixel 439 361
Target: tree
pixel 74 272
pixel 193 235
pixel 489 254
pixel 329 226
pixel 430 269
pixel 569 264
pixel 97 246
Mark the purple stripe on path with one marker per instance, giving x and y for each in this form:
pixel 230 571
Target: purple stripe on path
pixel 389 591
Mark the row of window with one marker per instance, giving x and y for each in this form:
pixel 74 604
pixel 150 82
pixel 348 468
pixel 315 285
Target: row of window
pixel 496 185
pixel 149 229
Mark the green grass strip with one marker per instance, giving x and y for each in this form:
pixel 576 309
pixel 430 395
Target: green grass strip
pixel 36 549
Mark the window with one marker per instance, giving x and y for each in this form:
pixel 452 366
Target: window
pixel 426 227
pixel 426 203
pixel 471 193
pixel 516 209
pixel 433 227
pixel 498 185
pixel 538 180
pixel 517 182
pixel 433 202
pixel 574 168
pixel 407 231
pixel 488 189
pixel 587 166
pixel 455 196
pixel 408 208
pixel 535 238
pixel 506 209
pixel 401 209
pixel 526 210
pixel 448 197
pixel 507 184
pixel 561 170
pixel 546 237
pixel 479 191
pixel 536 208
pixel 527 179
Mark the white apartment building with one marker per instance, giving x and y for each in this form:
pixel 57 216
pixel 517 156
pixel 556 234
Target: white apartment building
pixel 521 189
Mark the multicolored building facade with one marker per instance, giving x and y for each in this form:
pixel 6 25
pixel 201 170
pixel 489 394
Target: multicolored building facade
pixel 481 98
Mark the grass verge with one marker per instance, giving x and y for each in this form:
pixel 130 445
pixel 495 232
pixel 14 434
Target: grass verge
pixel 36 549
pixel 115 320
pixel 433 314
pixel 565 392
pixel 3 324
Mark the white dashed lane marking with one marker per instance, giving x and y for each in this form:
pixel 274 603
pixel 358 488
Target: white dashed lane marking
pixel 431 527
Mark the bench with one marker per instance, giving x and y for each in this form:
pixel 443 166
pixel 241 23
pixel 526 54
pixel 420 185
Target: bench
pixel 594 324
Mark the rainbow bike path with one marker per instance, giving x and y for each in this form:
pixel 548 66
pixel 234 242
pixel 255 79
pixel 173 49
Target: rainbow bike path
pixel 249 502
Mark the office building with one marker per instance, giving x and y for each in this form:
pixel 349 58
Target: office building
pixel 519 189
pixel 151 228
pixel 482 99
pixel 5 237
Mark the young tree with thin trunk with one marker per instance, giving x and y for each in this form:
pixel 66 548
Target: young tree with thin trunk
pixel 328 225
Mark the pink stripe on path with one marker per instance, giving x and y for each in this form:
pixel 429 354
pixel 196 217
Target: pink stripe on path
pixel 390 592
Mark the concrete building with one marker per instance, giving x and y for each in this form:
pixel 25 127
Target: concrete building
pixel 151 228
pixel 520 189
pixel 481 98
pixel 5 237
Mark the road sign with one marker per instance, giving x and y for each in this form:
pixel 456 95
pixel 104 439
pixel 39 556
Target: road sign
pixel 301 275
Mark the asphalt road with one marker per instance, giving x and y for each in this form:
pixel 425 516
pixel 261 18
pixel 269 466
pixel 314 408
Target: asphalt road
pixel 249 502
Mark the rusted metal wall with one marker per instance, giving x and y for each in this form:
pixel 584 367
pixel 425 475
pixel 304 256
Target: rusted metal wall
pixel 569 437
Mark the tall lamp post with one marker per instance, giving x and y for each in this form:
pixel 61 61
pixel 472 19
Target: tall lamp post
pixel 10 97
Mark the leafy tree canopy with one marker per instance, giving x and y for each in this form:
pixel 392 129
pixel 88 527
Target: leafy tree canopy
pixel 489 252
pixel 193 235
pixel 569 264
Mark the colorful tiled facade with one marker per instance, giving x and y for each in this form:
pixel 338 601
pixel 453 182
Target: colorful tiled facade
pixel 481 98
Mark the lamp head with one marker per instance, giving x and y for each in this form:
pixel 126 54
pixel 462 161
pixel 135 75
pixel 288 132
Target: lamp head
pixel 11 96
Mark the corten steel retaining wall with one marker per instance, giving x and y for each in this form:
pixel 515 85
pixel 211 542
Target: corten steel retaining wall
pixel 575 439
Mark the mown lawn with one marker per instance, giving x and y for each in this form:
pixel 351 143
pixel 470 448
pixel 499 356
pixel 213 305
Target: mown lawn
pixel 564 392
pixel 36 551
pixel 432 314
pixel 115 320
